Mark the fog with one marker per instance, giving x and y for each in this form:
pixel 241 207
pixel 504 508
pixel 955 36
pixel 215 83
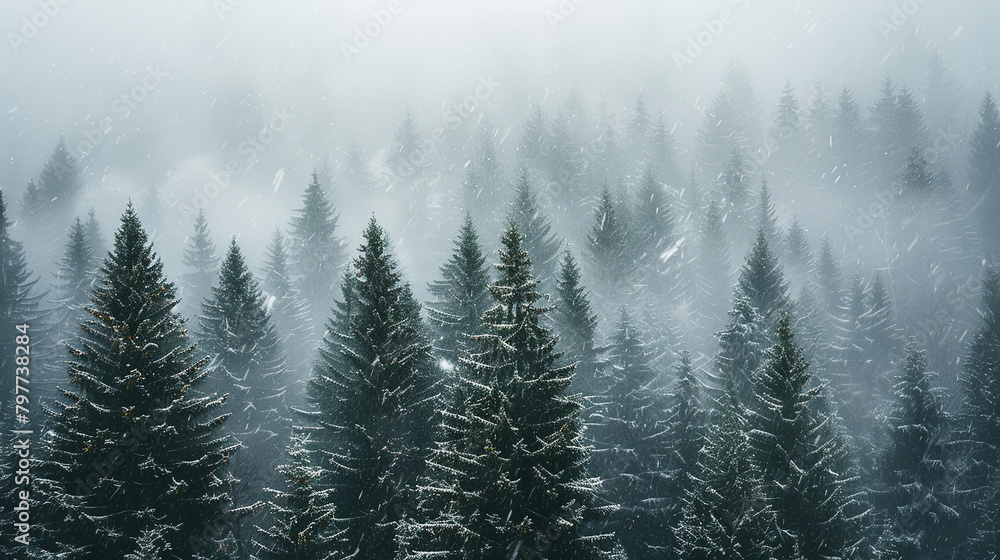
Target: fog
pixel 230 106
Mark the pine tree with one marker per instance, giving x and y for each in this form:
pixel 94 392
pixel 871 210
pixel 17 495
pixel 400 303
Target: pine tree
pixel 134 449
pixel 315 253
pixel 725 515
pixel 302 515
pixel 652 233
pixel 980 417
pixel 630 441
pixel 76 277
pixel 509 479
pixel 462 295
pixel 828 278
pixel 372 392
pixel 686 423
pixel 202 263
pixel 542 245
pixel 248 365
pixel 576 325
pixel 767 219
pixel 916 471
pixel 608 246
pixel 289 312
pixel 800 456
pixel 58 185
pixel 32 199
pixel 94 236
pixel 916 178
pixel 788 131
pixel 797 246
pixel 741 346
pixel 762 282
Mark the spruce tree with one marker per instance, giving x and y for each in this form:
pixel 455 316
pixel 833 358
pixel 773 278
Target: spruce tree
pixel 248 365
pixel 58 185
pixel 406 160
pixel 202 263
pixel 509 478
pixel 767 219
pixel 301 515
pixel 798 452
pixel 741 347
pixel 576 325
pixel 315 253
pixel 288 310
pixel 608 245
pixel 788 131
pixel 851 140
pixel 94 236
pixel 714 265
pixel 980 418
pixel 534 137
pixel 984 172
pixel 917 473
pixel 371 395
pixel 628 432
pixel 462 295
pixel 652 232
pixel 134 449
pixel 75 277
pixel 762 282
pixel 797 246
pixel 541 244
pixel 828 278
pixel 725 515
pixel 735 187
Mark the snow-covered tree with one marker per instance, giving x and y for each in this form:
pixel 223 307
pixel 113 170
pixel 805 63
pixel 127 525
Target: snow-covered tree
pixel 762 282
pixel 609 252
pixel 134 447
pixel 741 348
pixel 58 185
pixel 509 478
pixel 201 261
pixel 541 244
pixel 76 276
pixel 287 308
pixel 652 231
pixel 371 395
pixel 576 324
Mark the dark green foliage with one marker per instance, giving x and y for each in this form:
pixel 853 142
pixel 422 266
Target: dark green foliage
pixel 741 347
pixel 630 441
pixel 462 295
pixel 800 456
pixel 58 185
pixel 541 244
pixel 763 283
pixel 301 515
pixel 315 254
pixel 726 515
pixel 134 449
pixel 608 246
pixel 980 419
pixel 372 396
pixel 288 310
pixel 576 325
pixel 917 177
pixel 767 219
pixel 76 277
pixel 917 473
pixel 509 479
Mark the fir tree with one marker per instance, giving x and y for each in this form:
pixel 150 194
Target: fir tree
pixel 736 192
pixel 371 395
pixel 787 130
pixel 510 478
pixel 534 137
pixel 916 471
pixel 201 261
pixel 302 515
pixel 576 325
pixel 714 264
pixel 653 228
pixel 851 139
pixel 406 160
pixel 94 236
pixel 462 295
pixel 607 244
pixel 980 417
pixel 134 449
pixel 630 440
pixel 32 199
pixel 315 252
pixel 741 346
pixel 288 310
pixel 800 456
pixel 542 245
pixel 733 118
pixel 984 172
pixel 828 278
pixel 916 178
pixel 767 219
pixel 797 246
pixel 762 282
pixel 725 515
pixel 76 276
pixel 58 185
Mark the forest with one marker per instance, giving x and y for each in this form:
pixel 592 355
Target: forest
pixel 565 331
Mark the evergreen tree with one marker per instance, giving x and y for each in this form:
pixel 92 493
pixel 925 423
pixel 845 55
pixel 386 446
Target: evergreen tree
pixel 733 118
pixel 828 278
pixel 201 261
pixel 916 470
pixel 851 140
pixel 76 277
pixel 800 456
pixel 652 232
pixel 725 516
pixel 302 515
pixel 462 295
pixel 94 236
pixel 406 161
pixel 32 199
pixel 58 185
pixel 981 420
pixel 371 395
pixel 767 219
pixel 762 282
pixel 714 264
pixel 315 252
pixel 630 443
pixel 984 172
pixel 510 478
pixel 663 146
pixel 542 245
pixel 134 449
pixel 736 192
pixel 576 325
pixel 886 142
pixel 289 312
pixel 916 178
pixel 797 246
pixel 608 246
pixel 741 346
pixel 788 131
pixel 534 137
